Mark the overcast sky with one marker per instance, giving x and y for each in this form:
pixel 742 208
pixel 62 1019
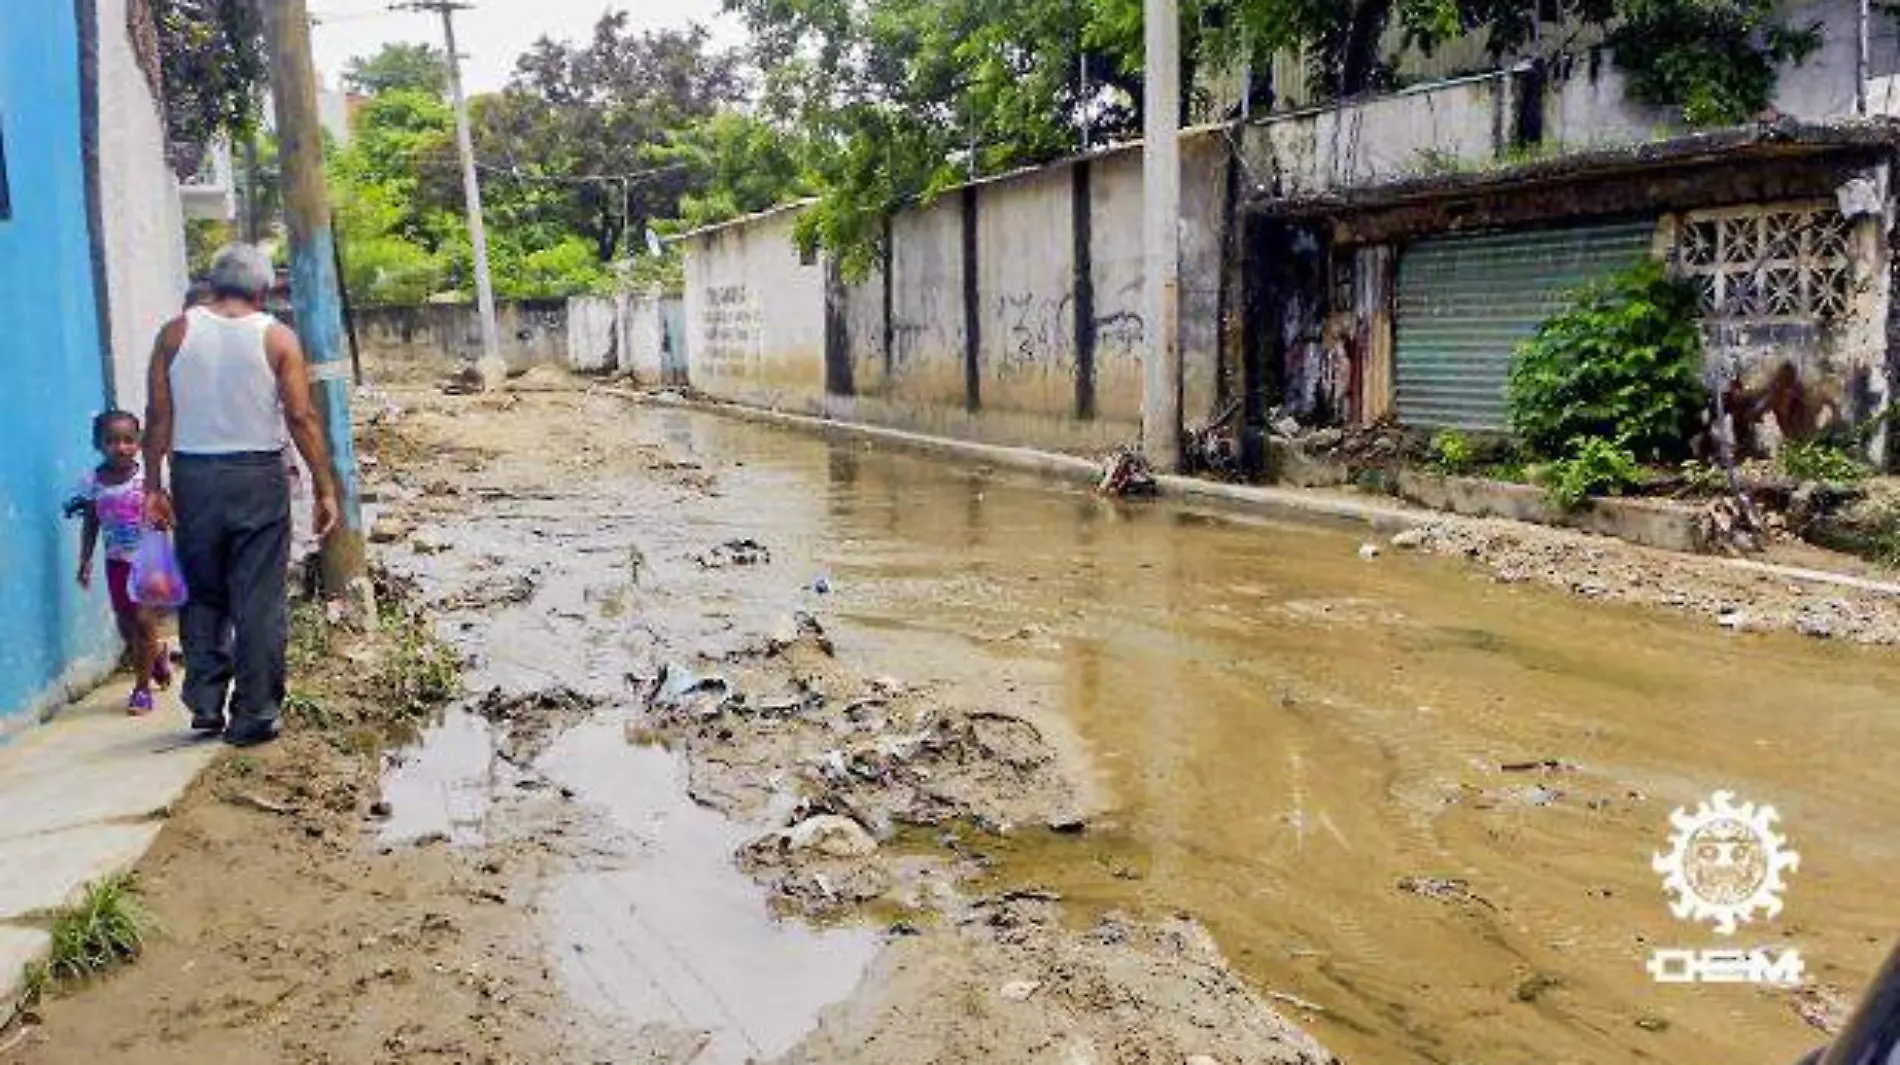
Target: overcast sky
pixel 492 35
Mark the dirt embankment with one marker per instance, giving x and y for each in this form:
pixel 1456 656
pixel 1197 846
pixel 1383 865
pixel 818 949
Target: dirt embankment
pixel 282 935
pixel 1738 599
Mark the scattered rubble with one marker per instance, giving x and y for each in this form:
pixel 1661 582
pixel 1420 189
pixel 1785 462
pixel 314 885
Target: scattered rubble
pixel 1737 599
pixel 1115 992
pixel 739 552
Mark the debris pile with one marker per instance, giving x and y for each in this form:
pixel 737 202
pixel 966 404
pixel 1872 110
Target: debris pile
pixel 1128 475
pixel 739 552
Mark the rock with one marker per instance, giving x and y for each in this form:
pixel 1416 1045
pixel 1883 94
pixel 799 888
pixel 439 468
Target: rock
pixel 1327 438
pixel 466 381
pixel 832 836
pixel 426 543
pixel 1813 625
pixel 738 552
pixel 1368 551
pixel 1019 990
pixel 381 809
pixel 1409 540
pixel 1733 620
pixel 821 585
pixel 1286 427
pixel 389 529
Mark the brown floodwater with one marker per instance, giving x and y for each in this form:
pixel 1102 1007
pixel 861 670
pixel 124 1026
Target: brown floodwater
pixel 1287 739
pixel 1284 733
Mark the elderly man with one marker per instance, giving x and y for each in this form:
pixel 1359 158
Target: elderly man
pixel 226 379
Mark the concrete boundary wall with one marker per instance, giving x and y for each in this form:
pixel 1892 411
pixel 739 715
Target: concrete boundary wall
pixel 1007 311
pixel 437 337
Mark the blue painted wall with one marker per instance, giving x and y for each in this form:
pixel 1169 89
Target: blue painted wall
pixel 51 380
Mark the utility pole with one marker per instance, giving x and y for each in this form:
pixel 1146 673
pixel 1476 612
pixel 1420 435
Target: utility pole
pixel 314 285
pixel 253 208
pixel 491 366
pixel 1863 55
pixel 1161 178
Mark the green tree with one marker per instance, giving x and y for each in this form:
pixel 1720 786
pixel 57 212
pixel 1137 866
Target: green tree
pixel 740 164
pixel 407 67
pixel 213 69
pixel 570 146
pixel 906 97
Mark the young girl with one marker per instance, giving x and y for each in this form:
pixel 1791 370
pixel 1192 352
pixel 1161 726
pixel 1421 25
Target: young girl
pixel 113 503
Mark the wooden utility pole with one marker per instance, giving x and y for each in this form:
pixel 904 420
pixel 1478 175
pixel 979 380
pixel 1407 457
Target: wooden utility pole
pixel 313 284
pixel 1161 176
pixel 491 365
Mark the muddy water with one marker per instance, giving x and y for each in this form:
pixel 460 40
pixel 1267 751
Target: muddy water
pixel 1289 740
pixel 1287 732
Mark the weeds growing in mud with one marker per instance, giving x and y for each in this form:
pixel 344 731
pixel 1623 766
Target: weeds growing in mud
pixel 106 929
pixel 396 676
pixel 416 674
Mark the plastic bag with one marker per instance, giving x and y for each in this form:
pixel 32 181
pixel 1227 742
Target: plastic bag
pixel 157 581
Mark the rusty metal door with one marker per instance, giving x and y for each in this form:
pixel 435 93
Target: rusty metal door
pixel 1465 303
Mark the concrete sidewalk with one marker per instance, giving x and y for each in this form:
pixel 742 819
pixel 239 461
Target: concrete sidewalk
pixel 82 797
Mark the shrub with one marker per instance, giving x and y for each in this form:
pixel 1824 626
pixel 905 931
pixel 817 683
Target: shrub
pixel 1623 363
pixel 1598 467
pixel 1807 460
pixel 1453 452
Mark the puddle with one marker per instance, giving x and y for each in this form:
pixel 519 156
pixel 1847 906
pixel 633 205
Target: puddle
pixel 444 785
pixel 676 936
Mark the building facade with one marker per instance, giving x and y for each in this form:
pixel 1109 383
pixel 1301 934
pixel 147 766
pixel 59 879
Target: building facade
pixel 91 263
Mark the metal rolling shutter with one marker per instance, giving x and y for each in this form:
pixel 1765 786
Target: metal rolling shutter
pixel 1465 304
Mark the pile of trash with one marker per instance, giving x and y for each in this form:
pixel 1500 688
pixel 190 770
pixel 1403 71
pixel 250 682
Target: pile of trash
pixel 778 732
pixel 1128 475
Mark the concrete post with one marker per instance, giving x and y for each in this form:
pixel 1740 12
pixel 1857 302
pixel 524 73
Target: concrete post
pixel 314 287
pixel 1161 171
pixel 491 366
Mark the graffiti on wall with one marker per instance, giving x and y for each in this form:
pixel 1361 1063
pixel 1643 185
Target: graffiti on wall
pixel 1120 336
pixel 1036 329
pixel 732 326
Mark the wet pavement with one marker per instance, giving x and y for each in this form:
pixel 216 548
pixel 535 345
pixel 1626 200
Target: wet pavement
pixel 1303 748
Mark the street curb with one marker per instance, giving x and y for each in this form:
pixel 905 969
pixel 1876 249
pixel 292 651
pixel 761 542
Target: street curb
pixel 1258 500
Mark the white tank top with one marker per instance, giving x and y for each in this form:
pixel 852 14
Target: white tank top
pixel 224 395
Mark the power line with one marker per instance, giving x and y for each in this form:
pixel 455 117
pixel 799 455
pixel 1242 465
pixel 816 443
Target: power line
pixel 580 179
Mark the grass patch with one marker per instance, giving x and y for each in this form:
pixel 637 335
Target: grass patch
pixel 311 636
pixel 108 928
pixel 416 674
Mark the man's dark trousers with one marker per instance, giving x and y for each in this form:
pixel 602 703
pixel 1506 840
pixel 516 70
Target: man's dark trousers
pixel 233 539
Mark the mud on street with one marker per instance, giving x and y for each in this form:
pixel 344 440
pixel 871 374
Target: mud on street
pixel 779 748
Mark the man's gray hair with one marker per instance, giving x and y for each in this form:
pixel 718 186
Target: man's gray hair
pixel 241 270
